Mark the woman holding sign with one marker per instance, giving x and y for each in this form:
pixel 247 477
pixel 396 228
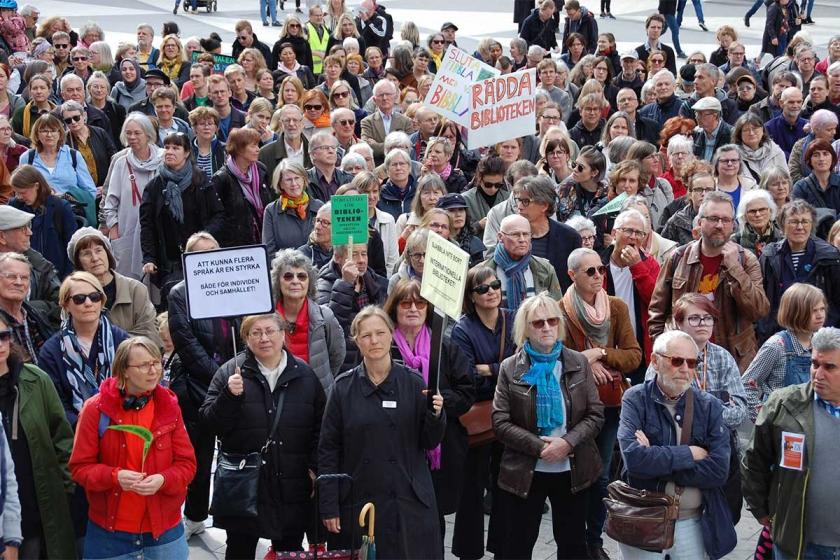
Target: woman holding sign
pixel 378 427
pixel 411 346
pixel 289 220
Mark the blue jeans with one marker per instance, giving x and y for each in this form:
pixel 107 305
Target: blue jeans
pixel 812 552
pixel 809 9
pixel 105 545
pixel 596 513
pixel 698 11
pixel 671 23
pixel 268 8
pixel 756 5
pixel 193 3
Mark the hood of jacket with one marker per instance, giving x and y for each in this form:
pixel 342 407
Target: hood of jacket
pixel 393 193
pixel 111 400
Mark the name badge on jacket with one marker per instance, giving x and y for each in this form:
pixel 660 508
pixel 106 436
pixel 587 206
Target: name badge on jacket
pixel 389 404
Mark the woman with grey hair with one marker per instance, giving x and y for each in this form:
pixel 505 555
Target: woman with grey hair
pixel 398 190
pixel 102 60
pixel 757 221
pixel 288 221
pixel 757 148
pixel 730 174
pixel 353 164
pixel 314 334
pixel 776 181
pixel 130 172
pixel 92 143
pixel 319 248
pixel 585 228
pixel 823 125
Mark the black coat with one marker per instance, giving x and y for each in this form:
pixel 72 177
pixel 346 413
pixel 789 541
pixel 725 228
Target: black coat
pixel 562 240
pixel 217 148
pixel 162 238
pixel 303 73
pixel 670 57
pixel 587 27
pixel 241 224
pixel 264 49
pixel 538 32
pixel 303 52
pixel 724 136
pixel 116 116
pixel 341 299
pixel 243 423
pixel 458 391
pixel 384 450
pixel 103 148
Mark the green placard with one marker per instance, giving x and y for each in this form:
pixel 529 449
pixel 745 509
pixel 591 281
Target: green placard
pixel 220 61
pixel 349 218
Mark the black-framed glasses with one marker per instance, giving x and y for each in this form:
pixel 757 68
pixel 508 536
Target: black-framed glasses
pixel 94 297
pixel 312 107
pixel 601 270
pixel 698 320
pixel 79 58
pixel 301 276
pixel 579 167
pixel 523 202
pixel 417 255
pixel 74 118
pixel 482 289
pixel 677 361
pixel 540 323
pixel 5 335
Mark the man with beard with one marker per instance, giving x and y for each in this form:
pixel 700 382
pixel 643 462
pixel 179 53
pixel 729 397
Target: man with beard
pixel 722 271
pixel 673 438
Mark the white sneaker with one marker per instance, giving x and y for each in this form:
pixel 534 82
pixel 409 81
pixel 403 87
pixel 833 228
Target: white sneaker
pixel 192 528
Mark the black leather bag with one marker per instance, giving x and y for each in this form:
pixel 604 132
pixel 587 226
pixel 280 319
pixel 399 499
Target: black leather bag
pixel 236 484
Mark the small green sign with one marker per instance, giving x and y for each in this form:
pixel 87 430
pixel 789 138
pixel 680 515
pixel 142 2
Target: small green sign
pixel 349 218
pixel 220 61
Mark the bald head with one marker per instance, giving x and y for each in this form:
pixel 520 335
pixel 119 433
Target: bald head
pixel 515 236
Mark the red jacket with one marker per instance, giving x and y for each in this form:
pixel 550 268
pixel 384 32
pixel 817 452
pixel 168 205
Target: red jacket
pixel 95 460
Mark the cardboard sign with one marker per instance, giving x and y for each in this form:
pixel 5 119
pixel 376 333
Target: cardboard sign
pixel 502 108
pixel 444 275
pixel 228 282
pixel 449 93
pixel 349 218
pixel 793 451
pixel 220 61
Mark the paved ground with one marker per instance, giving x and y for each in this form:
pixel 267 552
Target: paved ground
pixel 476 19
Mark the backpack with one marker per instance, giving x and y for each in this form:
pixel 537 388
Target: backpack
pixel 79 208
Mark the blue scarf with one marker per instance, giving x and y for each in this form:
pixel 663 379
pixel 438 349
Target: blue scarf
pixel 549 397
pixel 84 380
pixel 515 273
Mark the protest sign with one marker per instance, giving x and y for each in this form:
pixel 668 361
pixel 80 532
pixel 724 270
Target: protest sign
pixel 444 275
pixel 228 282
pixel 220 61
pixel 349 218
pixel 449 93
pixel 502 108
pixel 613 206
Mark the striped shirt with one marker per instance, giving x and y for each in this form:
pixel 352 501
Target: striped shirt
pixel 205 163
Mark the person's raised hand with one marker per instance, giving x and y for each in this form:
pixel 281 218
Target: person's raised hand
pixel 350 272
pixel 236 385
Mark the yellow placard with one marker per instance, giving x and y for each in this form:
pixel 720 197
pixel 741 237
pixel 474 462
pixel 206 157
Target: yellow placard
pixel 444 275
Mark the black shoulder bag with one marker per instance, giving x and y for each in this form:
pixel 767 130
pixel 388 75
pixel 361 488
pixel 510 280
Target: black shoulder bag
pixel 237 480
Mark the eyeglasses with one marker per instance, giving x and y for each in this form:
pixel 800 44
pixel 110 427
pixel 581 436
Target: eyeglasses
pixel 579 167
pixel 313 107
pixel 146 367
pixel 540 323
pixel 258 334
pixel 5 335
pixel 79 299
pixel 730 161
pixel 558 153
pixel 79 58
pixel 325 147
pixel 799 223
pixel 341 94
pixel 489 185
pixel 323 222
pixel 294 26
pixel 524 202
pixel 482 289
pixel 601 270
pixel 517 234
pixel 631 232
pixel 346 122
pixel 74 118
pixel 301 276
pixel 700 190
pixel 757 211
pixel 13 277
pixel 698 320
pixel 47 131
pixel 418 304
pixel 587 238
pixel 723 220
pixel 553 118
pixel 737 53
pixel 676 361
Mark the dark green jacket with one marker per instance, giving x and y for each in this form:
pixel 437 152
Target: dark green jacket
pixel 50 441
pixel 772 491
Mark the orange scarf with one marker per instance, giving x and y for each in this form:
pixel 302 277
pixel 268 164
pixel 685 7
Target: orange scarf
pixel 300 204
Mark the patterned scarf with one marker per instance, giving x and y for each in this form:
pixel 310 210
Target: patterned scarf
pixel 549 397
pixel 594 321
pixel 515 272
pixel 299 204
pixel 84 381
pixel 176 182
pixel 250 185
pixel 419 359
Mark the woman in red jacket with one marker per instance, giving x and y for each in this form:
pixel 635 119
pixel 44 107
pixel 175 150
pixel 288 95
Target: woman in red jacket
pixel 135 502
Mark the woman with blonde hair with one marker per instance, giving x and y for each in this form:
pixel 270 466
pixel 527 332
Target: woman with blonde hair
pixel 259 119
pixel 252 61
pixel 290 92
pixel 429 189
pixel 173 60
pixel 345 27
pixel 294 33
pixel 409 32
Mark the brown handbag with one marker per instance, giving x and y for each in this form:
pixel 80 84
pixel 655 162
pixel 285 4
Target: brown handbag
pixel 646 519
pixel 478 419
pixel 612 391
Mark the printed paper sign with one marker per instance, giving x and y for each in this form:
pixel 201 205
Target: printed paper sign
pixel 793 451
pixel 220 61
pixel 228 282
pixel 444 275
pixel 349 218
pixel 450 91
pixel 502 108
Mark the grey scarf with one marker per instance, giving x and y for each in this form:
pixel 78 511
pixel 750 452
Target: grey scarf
pixel 176 182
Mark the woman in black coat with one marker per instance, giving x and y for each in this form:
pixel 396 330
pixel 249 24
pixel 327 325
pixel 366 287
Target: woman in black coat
pixel 379 429
pixel 412 341
pixel 167 218
pixel 292 32
pixel 241 404
pixel 243 216
pixel 91 141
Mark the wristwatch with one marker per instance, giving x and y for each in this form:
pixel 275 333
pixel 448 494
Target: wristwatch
pixel 603 353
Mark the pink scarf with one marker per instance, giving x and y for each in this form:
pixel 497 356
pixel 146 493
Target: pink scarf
pixel 419 359
pixel 446 171
pixel 250 185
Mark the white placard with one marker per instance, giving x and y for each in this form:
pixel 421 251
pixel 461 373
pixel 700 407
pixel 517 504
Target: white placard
pixel 502 108
pixel 449 94
pixel 228 282
pixel 444 275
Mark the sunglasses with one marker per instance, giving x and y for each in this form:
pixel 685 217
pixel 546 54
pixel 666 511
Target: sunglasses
pixel 678 362
pixel 489 185
pixel 313 107
pixel 294 25
pixel 540 323
pixel 341 94
pixel 482 289
pixel 420 305
pixel 61 46
pixel 579 167
pixel 74 118
pixel 602 270
pixel 79 58
pixel 437 42
pixel 346 122
pixel 94 297
pixel 301 276
pixel 6 335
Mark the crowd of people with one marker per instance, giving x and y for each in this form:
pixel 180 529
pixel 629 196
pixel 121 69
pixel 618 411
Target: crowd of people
pixel 652 268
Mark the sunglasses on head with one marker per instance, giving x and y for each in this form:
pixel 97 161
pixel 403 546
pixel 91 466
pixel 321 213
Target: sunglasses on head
pixel 94 297
pixel 419 304
pixel 301 276
pixel 74 118
pixel 313 107
pixel 676 361
pixel 6 335
pixel 602 270
pixel 482 289
pixel 540 323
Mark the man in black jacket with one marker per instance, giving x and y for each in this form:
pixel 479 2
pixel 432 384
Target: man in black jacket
pixel 375 25
pixel 245 39
pixel 346 284
pixel 580 20
pixel 654 27
pixel 540 28
pixel 646 129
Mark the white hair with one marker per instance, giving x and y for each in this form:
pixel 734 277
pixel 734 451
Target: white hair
pixel 663 341
pixel 752 196
pixel 622 218
pixel 576 256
